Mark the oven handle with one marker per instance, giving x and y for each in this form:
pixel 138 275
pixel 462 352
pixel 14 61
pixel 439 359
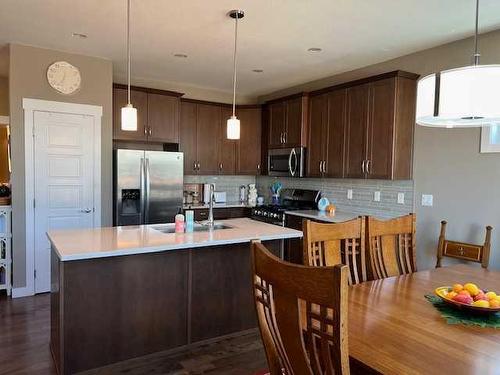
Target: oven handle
pixel 293 154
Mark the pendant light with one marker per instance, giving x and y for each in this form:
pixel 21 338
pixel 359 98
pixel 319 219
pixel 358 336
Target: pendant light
pixel 129 113
pixel 463 97
pixel 233 124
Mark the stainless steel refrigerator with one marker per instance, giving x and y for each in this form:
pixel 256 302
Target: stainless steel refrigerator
pixel 148 186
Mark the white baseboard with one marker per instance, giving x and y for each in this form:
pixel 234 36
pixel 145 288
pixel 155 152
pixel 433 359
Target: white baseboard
pixel 22 292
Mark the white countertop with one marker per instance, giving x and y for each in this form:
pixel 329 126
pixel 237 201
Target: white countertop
pixel 129 240
pixel 216 205
pixel 339 217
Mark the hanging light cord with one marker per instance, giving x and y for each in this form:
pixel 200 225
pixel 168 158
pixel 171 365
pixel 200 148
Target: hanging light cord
pixel 128 51
pixel 234 61
pixel 477 55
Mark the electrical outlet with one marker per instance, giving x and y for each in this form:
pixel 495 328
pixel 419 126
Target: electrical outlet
pixel 427 200
pixel 349 193
pixel 401 198
pixel 376 196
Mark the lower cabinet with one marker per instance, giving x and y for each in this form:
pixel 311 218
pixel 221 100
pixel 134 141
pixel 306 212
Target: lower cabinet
pixel 294 247
pixel 201 214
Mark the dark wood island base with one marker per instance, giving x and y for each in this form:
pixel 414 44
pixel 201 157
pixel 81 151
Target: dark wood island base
pixel 107 310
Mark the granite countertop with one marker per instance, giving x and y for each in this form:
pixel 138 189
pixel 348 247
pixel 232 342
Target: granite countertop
pixel 339 216
pixel 115 241
pixel 216 205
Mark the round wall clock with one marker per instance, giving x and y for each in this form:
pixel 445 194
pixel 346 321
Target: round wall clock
pixel 64 77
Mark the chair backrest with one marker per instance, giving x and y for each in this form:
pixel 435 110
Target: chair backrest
pixel 463 250
pixel 338 243
pixel 391 246
pixel 314 342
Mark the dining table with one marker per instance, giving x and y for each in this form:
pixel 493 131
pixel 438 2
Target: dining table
pixel 393 329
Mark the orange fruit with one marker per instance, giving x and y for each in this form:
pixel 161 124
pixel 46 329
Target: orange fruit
pixel 451 294
pixel 481 303
pixel 466 292
pixel 494 302
pixel 457 287
pixel 471 288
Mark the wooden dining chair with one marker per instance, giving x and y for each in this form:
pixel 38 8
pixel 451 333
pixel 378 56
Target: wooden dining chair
pixel 391 246
pixel 463 250
pixel 338 243
pixel 298 339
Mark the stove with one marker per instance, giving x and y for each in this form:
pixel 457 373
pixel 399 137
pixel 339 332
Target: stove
pixel 291 199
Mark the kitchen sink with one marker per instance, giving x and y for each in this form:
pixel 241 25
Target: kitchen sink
pixel 170 228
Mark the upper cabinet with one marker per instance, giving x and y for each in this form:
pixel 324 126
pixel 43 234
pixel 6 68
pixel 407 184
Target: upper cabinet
pixel 205 145
pixel 327 122
pixel 380 127
pixel 364 129
pixel 157 114
pixel 248 147
pixel 287 121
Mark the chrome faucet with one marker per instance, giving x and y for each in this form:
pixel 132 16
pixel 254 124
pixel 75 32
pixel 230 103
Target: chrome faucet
pixel 210 221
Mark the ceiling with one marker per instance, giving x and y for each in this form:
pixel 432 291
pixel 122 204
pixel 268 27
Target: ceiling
pixel 274 35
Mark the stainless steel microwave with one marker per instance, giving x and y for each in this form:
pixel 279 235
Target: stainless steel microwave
pixel 289 162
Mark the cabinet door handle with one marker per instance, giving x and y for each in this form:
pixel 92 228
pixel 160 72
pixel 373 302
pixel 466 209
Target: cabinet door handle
pixel 321 166
pixel 194 165
pixel 281 137
pixel 363 168
pixel 150 131
pixel 199 165
pixel 368 163
pixel 145 130
pixel 324 166
pixel 221 166
pixel 258 167
pixel 284 137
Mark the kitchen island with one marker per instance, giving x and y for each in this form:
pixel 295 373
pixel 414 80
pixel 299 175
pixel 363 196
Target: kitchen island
pixel 124 292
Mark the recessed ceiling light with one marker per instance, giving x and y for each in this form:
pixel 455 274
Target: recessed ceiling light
pixel 181 55
pixel 315 49
pixel 79 35
pixel 257 70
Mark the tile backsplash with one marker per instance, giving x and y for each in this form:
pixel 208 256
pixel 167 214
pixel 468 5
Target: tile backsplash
pixel 362 201
pixel 229 184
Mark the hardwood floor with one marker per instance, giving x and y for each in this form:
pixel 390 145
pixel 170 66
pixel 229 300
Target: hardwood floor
pixel 25 332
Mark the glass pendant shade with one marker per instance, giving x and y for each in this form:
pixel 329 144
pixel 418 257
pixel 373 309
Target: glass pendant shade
pixel 233 128
pixel 129 118
pixel 463 97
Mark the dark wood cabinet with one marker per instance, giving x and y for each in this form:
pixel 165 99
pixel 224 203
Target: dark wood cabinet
pixel 287 121
pixel 380 126
pixel 227 147
pixel 207 138
pixel 327 119
pixel 357 123
pixel 157 114
pixel 222 213
pixel 248 147
pixel 277 121
pixel 188 136
pixel 140 101
pixel 163 118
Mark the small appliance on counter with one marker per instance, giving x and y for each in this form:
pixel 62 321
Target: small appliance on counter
pixel 252 195
pixel 192 193
pixel 243 194
pixel 291 200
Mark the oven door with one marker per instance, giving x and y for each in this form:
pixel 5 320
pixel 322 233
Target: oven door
pixel 287 162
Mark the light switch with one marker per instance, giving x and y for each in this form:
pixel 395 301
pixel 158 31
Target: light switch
pixel 427 200
pixel 401 198
pixel 349 193
pixel 376 196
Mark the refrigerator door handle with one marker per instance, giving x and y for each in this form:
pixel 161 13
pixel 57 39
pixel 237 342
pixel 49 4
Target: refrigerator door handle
pixel 147 193
pixel 142 189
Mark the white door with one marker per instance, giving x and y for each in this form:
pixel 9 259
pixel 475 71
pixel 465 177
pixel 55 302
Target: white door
pixel 63 185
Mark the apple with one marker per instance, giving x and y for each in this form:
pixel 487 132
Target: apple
pixel 463 298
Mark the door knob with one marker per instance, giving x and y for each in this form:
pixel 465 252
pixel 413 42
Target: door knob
pixel 86 210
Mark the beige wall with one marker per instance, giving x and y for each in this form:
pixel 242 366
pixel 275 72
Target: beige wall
pixel 4 96
pixel 27 79
pixel 447 164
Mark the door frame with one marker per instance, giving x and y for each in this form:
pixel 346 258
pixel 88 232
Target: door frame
pixel 29 107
